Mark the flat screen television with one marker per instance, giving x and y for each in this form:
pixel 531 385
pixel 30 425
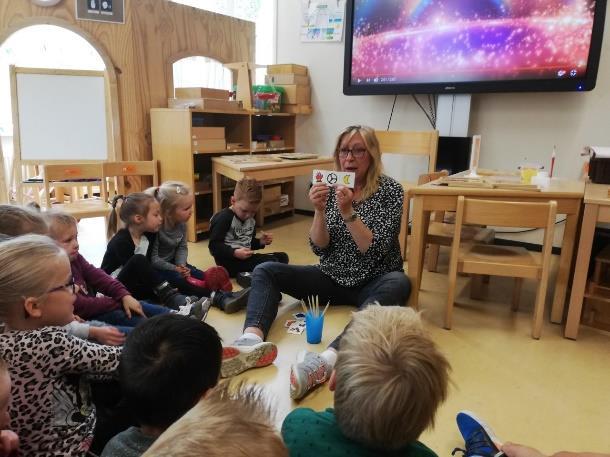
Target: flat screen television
pixel 467 46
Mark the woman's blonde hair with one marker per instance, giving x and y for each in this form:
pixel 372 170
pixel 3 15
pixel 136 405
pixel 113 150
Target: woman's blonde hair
pixel 26 263
pixel 168 194
pixel 391 378
pixel 371 183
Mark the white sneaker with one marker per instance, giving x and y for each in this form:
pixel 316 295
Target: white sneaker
pixel 244 354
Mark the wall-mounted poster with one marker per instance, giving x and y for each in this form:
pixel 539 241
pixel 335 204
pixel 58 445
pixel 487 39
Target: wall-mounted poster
pixel 101 10
pixel 322 20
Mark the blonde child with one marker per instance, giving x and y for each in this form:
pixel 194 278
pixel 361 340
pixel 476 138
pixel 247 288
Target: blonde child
pixel 170 251
pixel 231 420
pixel 233 233
pixel 98 295
pixel 50 408
pixel 9 441
pixel 18 220
pixel 389 380
pixel 128 254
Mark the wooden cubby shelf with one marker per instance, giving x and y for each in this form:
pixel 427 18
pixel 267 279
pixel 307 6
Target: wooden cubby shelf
pixel 179 159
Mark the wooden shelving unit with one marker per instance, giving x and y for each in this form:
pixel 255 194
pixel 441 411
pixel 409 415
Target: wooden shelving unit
pixel 181 161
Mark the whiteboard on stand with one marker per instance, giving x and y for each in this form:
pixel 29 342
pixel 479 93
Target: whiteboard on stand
pixel 60 115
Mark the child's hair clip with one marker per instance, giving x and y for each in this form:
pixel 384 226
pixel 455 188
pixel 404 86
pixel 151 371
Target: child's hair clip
pixel 178 189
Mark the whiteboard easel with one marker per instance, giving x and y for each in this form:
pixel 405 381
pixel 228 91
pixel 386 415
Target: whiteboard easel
pixel 59 116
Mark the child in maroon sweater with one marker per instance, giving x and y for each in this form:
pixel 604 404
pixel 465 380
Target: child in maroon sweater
pixel 98 295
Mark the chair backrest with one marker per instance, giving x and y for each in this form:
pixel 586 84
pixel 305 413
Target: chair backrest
pixel 429 177
pixel 422 143
pixel 72 175
pixel 113 171
pixel 506 213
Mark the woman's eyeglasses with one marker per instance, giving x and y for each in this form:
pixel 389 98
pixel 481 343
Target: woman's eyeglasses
pixel 69 286
pixel 357 153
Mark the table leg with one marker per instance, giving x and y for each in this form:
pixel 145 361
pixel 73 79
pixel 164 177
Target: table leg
pixel 216 190
pixel 587 233
pixel 565 264
pixel 419 227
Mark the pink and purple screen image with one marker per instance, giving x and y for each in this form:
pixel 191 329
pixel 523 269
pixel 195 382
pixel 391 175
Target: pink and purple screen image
pixel 423 41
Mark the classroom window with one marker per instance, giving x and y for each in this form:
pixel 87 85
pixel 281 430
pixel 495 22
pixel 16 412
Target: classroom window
pixel 198 71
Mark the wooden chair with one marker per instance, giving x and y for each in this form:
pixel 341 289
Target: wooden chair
pixel 116 172
pixel 76 175
pixel 501 260
pixel 441 233
pixel 419 143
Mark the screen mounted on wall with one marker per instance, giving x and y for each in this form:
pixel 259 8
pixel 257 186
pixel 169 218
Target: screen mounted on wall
pixel 465 46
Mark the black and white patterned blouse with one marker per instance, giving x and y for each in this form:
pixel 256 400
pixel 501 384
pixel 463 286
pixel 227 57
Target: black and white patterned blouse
pixel 381 213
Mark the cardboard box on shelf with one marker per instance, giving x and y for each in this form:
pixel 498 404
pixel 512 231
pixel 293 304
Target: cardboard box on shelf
pixel 293 94
pixel 287 78
pixel 271 207
pixel 208 133
pixel 287 68
pixel 207 145
pixel 201 92
pixel 204 103
pixel 272 193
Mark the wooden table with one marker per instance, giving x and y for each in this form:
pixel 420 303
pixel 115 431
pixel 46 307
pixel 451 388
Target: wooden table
pixel 434 197
pixel 597 209
pixel 262 171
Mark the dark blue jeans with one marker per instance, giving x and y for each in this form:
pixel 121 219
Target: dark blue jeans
pixel 118 317
pixel 270 279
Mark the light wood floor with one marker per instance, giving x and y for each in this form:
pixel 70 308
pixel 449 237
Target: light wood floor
pixel 553 394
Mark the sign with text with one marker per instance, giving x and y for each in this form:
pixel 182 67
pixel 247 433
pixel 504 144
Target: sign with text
pixel 101 10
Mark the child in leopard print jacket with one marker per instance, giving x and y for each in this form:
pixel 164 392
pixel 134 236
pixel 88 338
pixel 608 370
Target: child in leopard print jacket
pixel 50 409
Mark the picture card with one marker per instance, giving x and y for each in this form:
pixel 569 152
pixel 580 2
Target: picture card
pixel 334 178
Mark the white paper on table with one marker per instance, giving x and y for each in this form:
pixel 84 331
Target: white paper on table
pixel 334 178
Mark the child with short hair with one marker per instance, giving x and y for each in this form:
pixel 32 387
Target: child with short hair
pixel 128 254
pixel 168 364
pixel 50 408
pixel 9 441
pixel 232 420
pixel 19 220
pixel 98 296
pixel 233 232
pixel 389 380
pixel 170 251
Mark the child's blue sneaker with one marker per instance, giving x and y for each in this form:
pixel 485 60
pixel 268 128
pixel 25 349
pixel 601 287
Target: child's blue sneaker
pixel 479 438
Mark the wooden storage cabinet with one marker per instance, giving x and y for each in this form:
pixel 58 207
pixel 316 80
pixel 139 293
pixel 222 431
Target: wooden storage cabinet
pixel 182 160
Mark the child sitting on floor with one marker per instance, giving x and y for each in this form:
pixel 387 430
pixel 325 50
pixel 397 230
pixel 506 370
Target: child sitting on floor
pixel 389 380
pixel 18 220
pixel 50 408
pixel 127 256
pixel 98 296
pixel 233 233
pixel 168 364
pixel 230 421
pixel 170 251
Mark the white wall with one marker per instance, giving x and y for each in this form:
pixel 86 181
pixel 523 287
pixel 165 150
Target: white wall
pixel 513 126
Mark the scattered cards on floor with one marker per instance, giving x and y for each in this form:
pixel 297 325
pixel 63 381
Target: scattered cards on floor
pixel 334 178
pixel 295 326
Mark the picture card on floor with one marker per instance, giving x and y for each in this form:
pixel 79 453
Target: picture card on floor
pixel 334 178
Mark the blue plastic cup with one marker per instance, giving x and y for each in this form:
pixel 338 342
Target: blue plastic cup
pixel 313 327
